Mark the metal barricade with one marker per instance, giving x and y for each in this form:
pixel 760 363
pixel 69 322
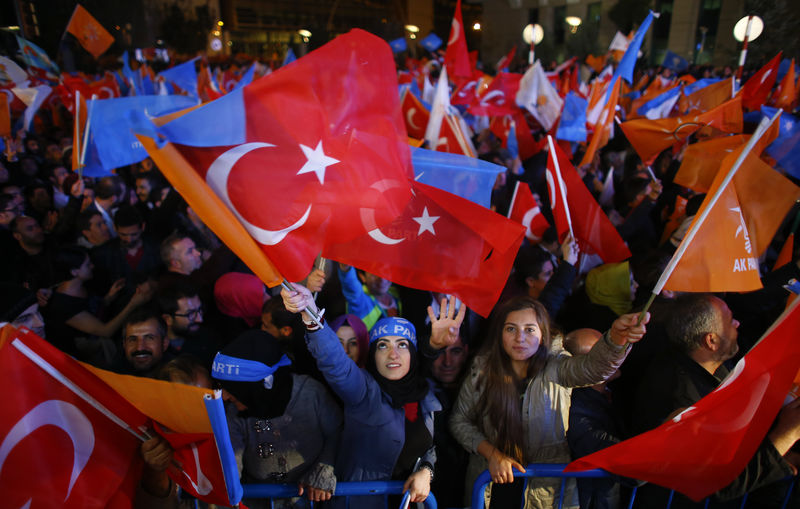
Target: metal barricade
pixel 343 489
pixel 557 470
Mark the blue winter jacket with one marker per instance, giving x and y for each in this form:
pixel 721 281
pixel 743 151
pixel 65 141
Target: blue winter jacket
pixel 374 431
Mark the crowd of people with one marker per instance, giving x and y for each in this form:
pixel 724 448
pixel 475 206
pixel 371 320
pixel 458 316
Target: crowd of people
pixel 394 383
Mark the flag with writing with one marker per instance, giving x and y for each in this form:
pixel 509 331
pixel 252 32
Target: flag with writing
pixel 719 434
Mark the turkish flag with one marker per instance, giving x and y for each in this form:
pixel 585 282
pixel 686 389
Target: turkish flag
pixel 590 225
pixel 467 92
pixel 706 98
pixel 756 90
pixel 499 98
pixel 650 137
pixel 310 149
pixel 442 243
pixel 507 60
pixel 58 450
pixel 453 137
pixel 456 58
pixel 786 93
pixel 701 161
pixel 526 211
pixel 720 433
pixel 415 115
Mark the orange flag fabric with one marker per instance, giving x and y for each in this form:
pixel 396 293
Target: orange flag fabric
pixel 787 92
pixel 650 137
pixel 602 127
pixel 707 98
pixel 90 33
pixel 701 161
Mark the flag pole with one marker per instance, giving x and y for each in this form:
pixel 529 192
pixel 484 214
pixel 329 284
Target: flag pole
pixel 77 130
pixel 513 199
pixel 560 183
pixel 89 110
pixel 313 312
pixel 762 128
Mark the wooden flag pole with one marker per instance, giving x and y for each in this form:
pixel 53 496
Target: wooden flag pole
pixel 560 183
pixel 762 128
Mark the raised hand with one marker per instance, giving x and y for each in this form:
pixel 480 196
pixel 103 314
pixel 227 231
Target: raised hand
pixel 444 328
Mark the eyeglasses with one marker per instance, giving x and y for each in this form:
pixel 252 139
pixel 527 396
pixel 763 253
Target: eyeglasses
pixel 191 314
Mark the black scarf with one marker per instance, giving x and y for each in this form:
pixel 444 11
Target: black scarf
pixel 262 403
pixel 411 388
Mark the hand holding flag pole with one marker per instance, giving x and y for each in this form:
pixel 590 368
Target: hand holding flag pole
pixel 762 128
pixel 560 184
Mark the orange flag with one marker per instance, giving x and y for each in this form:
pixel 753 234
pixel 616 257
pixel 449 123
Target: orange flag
pixel 90 33
pixel 650 137
pixel 5 117
pixel 785 256
pixel 786 93
pixel 675 219
pixel 707 98
pixel 702 160
pixel 602 128
pixel 596 62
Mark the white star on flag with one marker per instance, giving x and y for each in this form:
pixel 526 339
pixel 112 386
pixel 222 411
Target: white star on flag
pixel 426 222
pixel 317 161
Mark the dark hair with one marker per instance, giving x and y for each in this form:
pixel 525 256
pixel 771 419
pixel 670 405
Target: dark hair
pixel 5 199
pixel 501 385
pixel 282 318
pixel 169 296
pixel 183 369
pixel 84 220
pixel 529 262
pixel 107 187
pixel 127 215
pixel 691 317
pixel 68 259
pixel 143 314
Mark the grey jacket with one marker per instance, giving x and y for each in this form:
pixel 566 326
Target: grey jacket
pixel 545 412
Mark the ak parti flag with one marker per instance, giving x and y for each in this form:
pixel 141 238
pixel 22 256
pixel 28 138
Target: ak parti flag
pixel 526 211
pixel 98 417
pixel 756 90
pixel 456 58
pixel 90 33
pixel 719 434
pixel 442 243
pixel 702 160
pixel 650 137
pixel 707 98
pixel 296 158
pixel 590 225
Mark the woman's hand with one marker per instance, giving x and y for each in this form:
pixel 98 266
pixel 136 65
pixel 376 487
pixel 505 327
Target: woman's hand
pixel 298 300
pixel 627 329
pixel 418 485
pixel 316 280
pixel 313 494
pixel 501 467
pixel 570 250
pixel 444 328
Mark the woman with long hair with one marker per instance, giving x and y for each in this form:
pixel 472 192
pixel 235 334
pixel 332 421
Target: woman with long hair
pixel 513 408
pixel 388 405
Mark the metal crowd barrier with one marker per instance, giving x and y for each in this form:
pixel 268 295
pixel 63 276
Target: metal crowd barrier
pixel 343 489
pixel 557 470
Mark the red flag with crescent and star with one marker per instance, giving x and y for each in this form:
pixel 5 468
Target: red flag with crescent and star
pixel 102 418
pixel 755 91
pixel 526 211
pixel 415 114
pixel 441 242
pixel 500 98
pixel 309 151
pixel 456 57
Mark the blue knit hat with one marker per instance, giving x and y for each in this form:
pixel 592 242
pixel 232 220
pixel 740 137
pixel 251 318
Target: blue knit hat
pixel 393 326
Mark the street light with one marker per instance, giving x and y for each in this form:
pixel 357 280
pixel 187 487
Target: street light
pixel 574 22
pixel 412 28
pixel 532 34
pixel 476 26
pixel 746 29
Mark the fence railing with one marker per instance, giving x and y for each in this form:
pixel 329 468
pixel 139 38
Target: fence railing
pixel 343 489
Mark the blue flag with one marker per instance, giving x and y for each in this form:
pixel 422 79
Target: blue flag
pixel 184 76
pixel 133 78
pixel 289 58
pixel 573 119
pixel 674 62
pixel 113 122
pixel 628 62
pixel 399 45
pixel 699 84
pixel 247 78
pixel 661 105
pixel 34 56
pixel 148 88
pixel 786 148
pixel 431 43
pixel 783 68
pixel 467 177
pixel 511 142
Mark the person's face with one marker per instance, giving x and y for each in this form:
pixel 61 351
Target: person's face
pixel 29 232
pixel 32 319
pixel 59 175
pixel 376 284
pixel 130 237
pixel 98 231
pixel 186 256
pixel 29 167
pixel 188 317
pixel 18 203
pixel 538 283
pixel 40 200
pixel 447 367
pixel 392 357
pixel 143 344
pixel 143 189
pixel 84 272
pixel 347 336
pixel 728 331
pixel 53 152
pixel 32 145
pixel 521 334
